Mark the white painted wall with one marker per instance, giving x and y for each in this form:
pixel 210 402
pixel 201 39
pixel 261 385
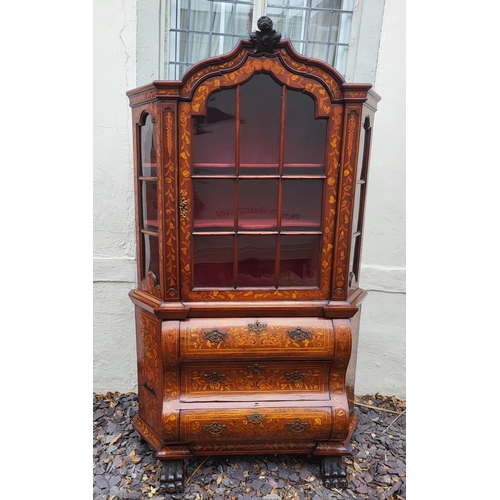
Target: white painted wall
pixel 381 361
pixel 114 233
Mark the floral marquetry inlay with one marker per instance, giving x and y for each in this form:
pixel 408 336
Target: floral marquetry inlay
pixel 149 386
pixel 169 205
pixel 170 347
pixel 313 423
pixel 237 380
pixel 257 65
pixel 234 356
pixel 347 187
pixel 276 339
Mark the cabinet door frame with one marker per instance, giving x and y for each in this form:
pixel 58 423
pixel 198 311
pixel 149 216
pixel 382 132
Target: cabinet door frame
pixel 321 93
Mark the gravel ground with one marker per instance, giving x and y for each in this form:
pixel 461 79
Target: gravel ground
pixel 125 467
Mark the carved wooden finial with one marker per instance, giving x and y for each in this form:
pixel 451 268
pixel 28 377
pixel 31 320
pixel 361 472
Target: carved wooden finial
pixel 265 39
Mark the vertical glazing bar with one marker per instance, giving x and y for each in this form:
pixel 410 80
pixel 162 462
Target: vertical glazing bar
pixel 259 9
pixel 236 185
pixel 328 45
pixel 287 18
pixel 222 28
pixel 211 29
pixel 189 38
pixel 280 185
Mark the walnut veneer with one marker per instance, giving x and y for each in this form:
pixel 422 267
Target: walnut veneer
pixel 250 184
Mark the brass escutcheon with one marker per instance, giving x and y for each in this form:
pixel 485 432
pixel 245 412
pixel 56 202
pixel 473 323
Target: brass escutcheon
pixel 256 418
pixel 256 368
pixel 257 327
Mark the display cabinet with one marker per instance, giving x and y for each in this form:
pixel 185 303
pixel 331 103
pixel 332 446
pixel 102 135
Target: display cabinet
pixel 250 185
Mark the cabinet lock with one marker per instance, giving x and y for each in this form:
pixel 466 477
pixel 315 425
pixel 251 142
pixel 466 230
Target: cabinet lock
pixel 183 208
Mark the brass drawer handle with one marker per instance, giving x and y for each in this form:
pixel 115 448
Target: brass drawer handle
pixel 149 388
pixel 298 334
pixel 215 427
pixel 256 418
pixel 215 335
pixel 295 376
pixel 297 425
pixel 214 377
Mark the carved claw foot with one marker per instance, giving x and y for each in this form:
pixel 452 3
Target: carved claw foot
pixel 333 472
pixel 172 475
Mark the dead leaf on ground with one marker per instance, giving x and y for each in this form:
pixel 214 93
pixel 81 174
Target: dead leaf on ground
pixel 115 439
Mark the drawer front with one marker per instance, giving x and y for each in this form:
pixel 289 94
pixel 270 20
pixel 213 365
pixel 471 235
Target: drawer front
pixel 266 424
pixel 254 381
pixel 250 337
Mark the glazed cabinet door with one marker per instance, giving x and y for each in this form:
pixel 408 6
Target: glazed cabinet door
pixel 257 193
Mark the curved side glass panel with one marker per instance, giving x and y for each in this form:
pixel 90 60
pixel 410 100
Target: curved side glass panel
pixel 148 199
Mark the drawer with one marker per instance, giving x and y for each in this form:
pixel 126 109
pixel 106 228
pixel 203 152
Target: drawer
pixel 254 381
pixel 249 425
pixel 250 337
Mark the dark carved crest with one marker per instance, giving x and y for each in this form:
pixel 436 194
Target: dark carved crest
pixel 265 39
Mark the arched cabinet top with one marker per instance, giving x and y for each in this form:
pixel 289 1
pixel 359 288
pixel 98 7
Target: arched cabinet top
pixel 314 77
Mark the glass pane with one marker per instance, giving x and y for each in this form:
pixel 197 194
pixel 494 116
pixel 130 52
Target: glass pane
pixel 243 21
pixel 213 261
pixel 299 260
pixel 341 28
pixel 306 21
pixel 256 260
pixel 199 14
pixel 258 204
pixel 355 216
pixel 222 44
pixel 177 70
pixel 353 269
pixel 260 123
pixel 148 148
pixel 296 25
pixel 305 137
pixel 319 25
pixel 223 17
pixel 150 205
pixel 278 16
pixel 178 47
pixel 318 51
pixel 151 256
pixel 213 204
pixel 302 201
pixel 198 47
pixel 214 136
pixel 325 4
pixel 361 149
pixel 293 3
